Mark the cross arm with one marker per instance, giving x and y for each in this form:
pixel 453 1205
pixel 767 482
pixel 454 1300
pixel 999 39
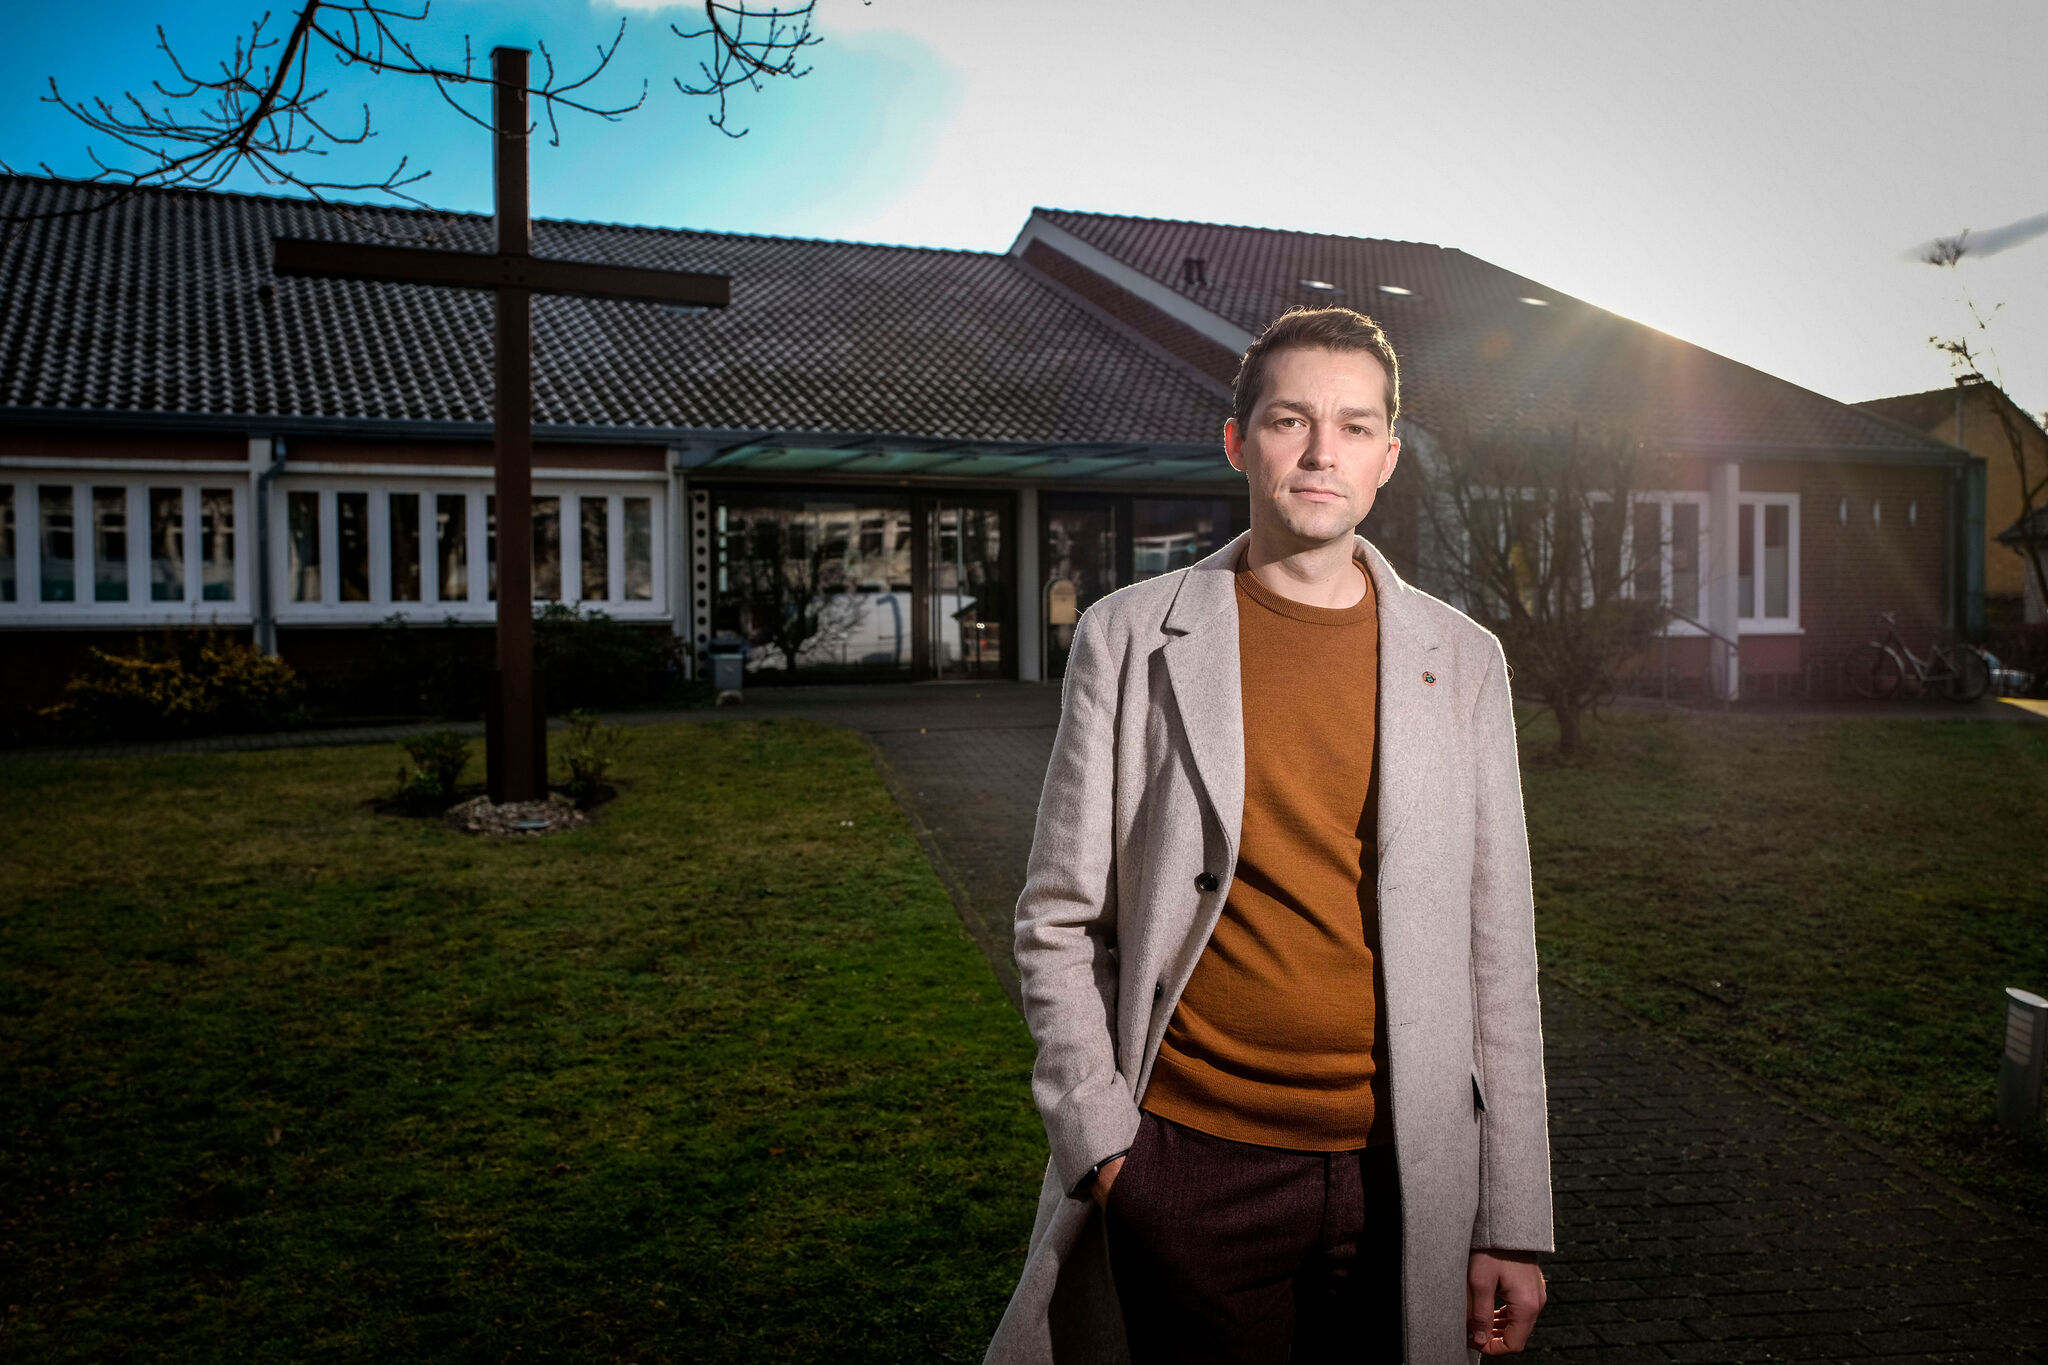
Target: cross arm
pixel 477 270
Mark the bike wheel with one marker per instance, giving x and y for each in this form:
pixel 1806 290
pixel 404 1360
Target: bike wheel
pixel 1873 672
pixel 1972 675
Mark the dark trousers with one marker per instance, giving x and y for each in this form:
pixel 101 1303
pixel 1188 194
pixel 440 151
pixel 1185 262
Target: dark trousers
pixel 1227 1252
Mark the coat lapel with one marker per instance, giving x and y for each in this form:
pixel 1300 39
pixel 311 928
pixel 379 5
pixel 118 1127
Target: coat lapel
pixel 1202 666
pixel 1409 699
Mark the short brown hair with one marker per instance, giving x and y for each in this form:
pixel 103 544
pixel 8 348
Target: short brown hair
pixel 1313 329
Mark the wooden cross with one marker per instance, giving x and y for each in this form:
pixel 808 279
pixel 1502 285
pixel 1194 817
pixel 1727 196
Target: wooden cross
pixel 518 738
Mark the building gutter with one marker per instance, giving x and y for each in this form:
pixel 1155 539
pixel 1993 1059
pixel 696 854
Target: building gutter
pixel 688 439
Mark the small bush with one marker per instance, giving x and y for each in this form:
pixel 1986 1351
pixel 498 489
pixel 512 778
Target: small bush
pixel 429 784
pixel 591 752
pixel 582 659
pixel 587 659
pixel 440 670
pixel 199 684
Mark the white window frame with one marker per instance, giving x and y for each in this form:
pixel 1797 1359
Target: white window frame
pixel 1750 506
pixel 193 609
pixel 477 607
pixel 1664 500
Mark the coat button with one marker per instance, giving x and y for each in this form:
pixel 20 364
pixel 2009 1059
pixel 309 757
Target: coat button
pixel 1206 882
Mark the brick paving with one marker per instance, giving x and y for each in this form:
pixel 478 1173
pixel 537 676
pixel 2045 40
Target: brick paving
pixel 1700 1217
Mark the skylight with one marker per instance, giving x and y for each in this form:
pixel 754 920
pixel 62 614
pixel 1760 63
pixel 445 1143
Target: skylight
pixel 1535 302
pixel 1320 286
pixel 1395 289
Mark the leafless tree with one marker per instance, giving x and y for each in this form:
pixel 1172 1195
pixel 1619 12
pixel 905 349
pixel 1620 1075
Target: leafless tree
pixel 1977 363
pixel 1531 528
pixel 265 107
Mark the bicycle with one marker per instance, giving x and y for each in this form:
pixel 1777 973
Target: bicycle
pixel 1876 670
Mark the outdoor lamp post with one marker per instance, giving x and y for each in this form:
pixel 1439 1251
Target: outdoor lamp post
pixel 2019 1070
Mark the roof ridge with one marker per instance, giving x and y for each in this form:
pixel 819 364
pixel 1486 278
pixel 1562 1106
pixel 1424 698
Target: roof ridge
pixel 1245 227
pixel 47 182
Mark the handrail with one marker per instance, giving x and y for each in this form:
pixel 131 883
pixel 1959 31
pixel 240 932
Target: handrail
pixel 1734 653
pixel 1702 627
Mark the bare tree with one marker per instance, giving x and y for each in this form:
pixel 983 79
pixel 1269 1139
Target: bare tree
pixel 1978 364
pixel 264 108
pixel 1531 528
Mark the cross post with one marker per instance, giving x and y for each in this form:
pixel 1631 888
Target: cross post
pixel 518 734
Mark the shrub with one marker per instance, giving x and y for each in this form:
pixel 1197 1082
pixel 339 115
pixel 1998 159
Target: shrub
pixel 590 752
pixel 582 659
pixel 440 670
pixel 199 684
pixel 437 762
pixel 588 659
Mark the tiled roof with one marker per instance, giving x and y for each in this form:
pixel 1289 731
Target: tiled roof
pixel 1921 411
pixel 1935 410
pixel 1472 350
pixel 166 304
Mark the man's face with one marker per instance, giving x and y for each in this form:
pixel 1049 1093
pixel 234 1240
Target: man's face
pixel 1318 446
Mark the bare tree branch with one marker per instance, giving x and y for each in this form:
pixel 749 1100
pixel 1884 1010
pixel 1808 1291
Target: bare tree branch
pixel 740 58
pixel 1978 364
pixel 263 110
pixel 1533 530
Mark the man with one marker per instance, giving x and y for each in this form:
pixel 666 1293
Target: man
pixel 1276 936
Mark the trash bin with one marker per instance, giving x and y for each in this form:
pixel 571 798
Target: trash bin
pixel 728 663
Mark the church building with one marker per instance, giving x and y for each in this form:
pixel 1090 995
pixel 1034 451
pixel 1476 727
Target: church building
pixel 878 462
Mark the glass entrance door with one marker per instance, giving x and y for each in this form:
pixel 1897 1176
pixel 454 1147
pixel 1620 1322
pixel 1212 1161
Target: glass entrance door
pixel 966 588
pixel 1081 558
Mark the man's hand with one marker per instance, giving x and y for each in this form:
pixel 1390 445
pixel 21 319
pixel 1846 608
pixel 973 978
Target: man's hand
pixel 1515 1280
pixel 1104 1178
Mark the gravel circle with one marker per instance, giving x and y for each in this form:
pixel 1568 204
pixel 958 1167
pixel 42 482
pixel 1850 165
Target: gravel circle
pixel 516 818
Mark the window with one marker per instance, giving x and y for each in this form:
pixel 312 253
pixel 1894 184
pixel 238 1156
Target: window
pixel 595 563
pixel 547 549
pixel 303 567
pixel 59 552
pixel 1767 562
pixel 360 553
pixel 451 546
pixel 1172 533
pixel 166 544
pixel 352 545
pixel 1666 540
pixel 404 514
pixel 640 549
pixel 118 551
pixel 217 544
pixel 110 545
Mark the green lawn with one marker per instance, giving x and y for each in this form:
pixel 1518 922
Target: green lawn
pixel 719 1078
pixel 1834 906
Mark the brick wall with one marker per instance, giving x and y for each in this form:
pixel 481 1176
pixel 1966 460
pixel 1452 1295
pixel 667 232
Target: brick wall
pixel 1850 572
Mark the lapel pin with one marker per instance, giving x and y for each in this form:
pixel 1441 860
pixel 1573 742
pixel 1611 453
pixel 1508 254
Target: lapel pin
pixel 1429 679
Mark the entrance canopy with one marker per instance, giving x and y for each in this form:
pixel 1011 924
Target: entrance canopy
pixel 1066 466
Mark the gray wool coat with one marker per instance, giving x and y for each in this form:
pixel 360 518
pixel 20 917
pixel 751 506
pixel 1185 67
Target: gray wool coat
pixel 1144 793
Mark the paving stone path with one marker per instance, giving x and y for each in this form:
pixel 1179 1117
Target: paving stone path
pixel 1700 1217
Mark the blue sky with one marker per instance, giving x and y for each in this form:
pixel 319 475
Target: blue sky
pixel 1745 175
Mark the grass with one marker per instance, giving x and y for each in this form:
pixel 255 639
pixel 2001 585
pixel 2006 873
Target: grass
pixel 1833 906
pixel 719 1078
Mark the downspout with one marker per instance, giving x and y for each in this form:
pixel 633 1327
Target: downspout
pixel 266 615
